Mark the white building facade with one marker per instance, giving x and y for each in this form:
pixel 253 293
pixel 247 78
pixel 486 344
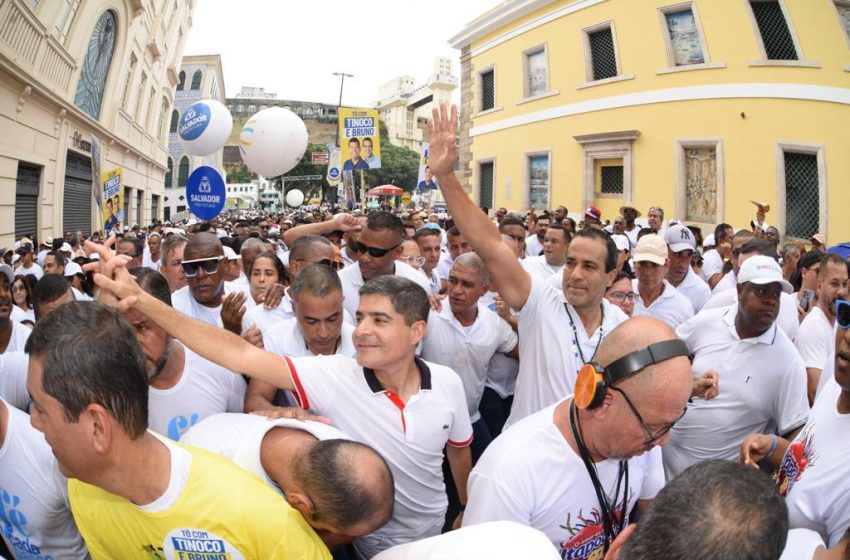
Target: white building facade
pixel 200 77
pixel 72 70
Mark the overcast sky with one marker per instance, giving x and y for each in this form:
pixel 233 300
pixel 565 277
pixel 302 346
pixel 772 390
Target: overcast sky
pixel 292 47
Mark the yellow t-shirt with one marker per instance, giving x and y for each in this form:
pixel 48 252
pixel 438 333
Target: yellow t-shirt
pixel 223 513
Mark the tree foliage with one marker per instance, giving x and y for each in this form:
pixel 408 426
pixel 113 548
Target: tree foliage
pixel 399 165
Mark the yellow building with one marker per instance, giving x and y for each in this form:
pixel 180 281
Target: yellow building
pixel 696 106
pixel 71 70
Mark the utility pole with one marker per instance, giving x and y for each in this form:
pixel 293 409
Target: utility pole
pixel 342 77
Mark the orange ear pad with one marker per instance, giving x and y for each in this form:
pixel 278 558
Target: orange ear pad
pixel 590 386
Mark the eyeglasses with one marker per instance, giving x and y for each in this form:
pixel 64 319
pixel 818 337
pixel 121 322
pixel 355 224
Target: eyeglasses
pixel 374 252
pixel 653 437
pixel 842 313
pixel 620 297
pixel 16 289
pixel 210 265
pixel 411 259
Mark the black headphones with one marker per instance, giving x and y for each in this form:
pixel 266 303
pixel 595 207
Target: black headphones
pixel 593 380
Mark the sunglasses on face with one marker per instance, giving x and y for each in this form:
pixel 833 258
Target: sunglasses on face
pixel 374 252
pixel 210 265
pixel 842 313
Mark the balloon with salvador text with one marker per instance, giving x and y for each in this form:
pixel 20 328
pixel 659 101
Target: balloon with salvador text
pixel 273 141
pixel 205 192
pixel 204 127
pixel 295 198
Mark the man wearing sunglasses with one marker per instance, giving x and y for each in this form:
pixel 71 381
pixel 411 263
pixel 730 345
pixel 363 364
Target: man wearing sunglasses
pixel 813 465
pixel 761 375
pixel 551 469
pixel 378 249
pixel 815 340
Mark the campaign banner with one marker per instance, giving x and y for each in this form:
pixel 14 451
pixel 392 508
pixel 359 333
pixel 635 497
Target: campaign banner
pixel 334 168
pixel 112 203
pixel 205 192
pixel 360 142
pixel 425 181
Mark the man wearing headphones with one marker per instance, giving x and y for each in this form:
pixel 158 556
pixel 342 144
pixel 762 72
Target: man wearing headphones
pixel 576 469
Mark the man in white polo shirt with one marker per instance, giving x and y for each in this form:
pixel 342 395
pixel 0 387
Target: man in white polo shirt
pixel 761 376
pixel 406 409
pixel 465 335
pixel 13 335
pixel 344 489
pixel 681 245
pixel 656 296
pixel 557 337
pixel 555 245
pixel 378 249
pixel 815 339
pixel 429 240
pixel 184 387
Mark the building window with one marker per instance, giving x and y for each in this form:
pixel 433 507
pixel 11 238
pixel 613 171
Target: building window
pixel 150 109
pixel 684 41
pixel 486 175
pixel 536 66
pixel 611 179
pixel 140 97
pixel 603 56
pixel 95 70
pixel 183 172
pixel 26 200
pixel 607 149
pixel 538 181
pixel 181 81
pixel 169 175
pixel 154 207
pixel 163 114
pixel 487 89
pixel 67 12
pixel 843 8
pixel 776 39
pixel 175 119
pixel 802 195
pixel 196 80
pixel 132 70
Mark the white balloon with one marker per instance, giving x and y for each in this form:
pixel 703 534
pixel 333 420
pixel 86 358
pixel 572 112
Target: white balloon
pixel 204 127
pixel 295 198
pixel 273 141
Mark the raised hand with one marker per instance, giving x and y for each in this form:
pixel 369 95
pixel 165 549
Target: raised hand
pixel 118 288
pixel 442 129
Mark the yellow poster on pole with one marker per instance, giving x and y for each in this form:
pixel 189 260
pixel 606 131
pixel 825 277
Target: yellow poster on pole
pixel 360 142
pixel 113 198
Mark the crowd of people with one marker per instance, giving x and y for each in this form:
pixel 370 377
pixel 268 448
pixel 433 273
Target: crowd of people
pixel 409 384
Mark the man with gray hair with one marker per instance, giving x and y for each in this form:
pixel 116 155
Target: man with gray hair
pixel 464 335
pixel 171 261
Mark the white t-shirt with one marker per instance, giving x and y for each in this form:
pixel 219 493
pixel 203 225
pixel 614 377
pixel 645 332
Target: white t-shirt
pixel 80 296
pixel 695 289
pixel 239 437
pixel 712 263
pixel 762 385
pixel 182 301
pixel 204 389
pixel 410 436
pixel 498 540
pixel 34 270
pixel 548 357
pixel 727 282
pixel 531 475
pixel 36 514
pixel 265 318
pixel 537 266
pixel 788 320
pixel 20 334
pixel 671 306
pixel 18 315
pixel 286 338
pixel 801 545
pixel 815 339
pixel 352 281
pixel 533 246
pixel 632 235
pixel 147 261
pixel 467 350
pixel 444 266
pixel 813 475
pixel 433 280
pixel 13 379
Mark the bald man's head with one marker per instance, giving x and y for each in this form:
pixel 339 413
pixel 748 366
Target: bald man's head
pixel 203 245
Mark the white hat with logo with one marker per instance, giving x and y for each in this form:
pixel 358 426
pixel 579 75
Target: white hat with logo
pixel 760 269
pixel 680 238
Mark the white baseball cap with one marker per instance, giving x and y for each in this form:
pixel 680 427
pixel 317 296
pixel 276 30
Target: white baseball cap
pixel 621 241
pixel 709 241
pixel 230 254
pixel 651 248
pixel 72 269
pixel 680 238
pixel 66 248
pixel 762 270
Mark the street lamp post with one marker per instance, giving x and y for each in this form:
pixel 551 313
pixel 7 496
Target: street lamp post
pixel 342 77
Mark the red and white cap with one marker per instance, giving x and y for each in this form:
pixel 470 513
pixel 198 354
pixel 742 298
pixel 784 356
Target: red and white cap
pixel 762 270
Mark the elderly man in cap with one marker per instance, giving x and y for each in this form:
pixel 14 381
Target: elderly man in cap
pixel 762 379
pixel 681 245
pixel 656 296
pixel 26 263
pixel 818 242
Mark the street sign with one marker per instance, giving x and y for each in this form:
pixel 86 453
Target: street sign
pixel 319 158
pixel 206 193
pixel 302 178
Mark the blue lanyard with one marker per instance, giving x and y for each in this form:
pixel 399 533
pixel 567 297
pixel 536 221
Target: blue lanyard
pixel 577 352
